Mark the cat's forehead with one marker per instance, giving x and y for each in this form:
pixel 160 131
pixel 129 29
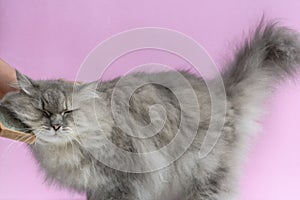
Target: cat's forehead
pixel 53 94
pixel 54 100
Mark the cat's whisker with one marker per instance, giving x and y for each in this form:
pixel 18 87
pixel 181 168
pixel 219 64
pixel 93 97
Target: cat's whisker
pixel 76 139
pixel 8 147
pixel 25 141
pixel 70 130
pixel 29 138
pixel 65 145
pixel 16 143
pixel 72 145
pixel 23 129
pixel 72 148
pixel 37 134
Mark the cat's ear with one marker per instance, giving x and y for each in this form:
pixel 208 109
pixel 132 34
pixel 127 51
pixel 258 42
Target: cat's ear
pixel 25 84
pixel 86 91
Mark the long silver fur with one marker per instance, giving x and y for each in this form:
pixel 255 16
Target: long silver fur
pixel 72 156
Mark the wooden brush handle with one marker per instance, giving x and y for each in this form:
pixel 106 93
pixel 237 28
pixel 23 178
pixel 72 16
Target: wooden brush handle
pixel 16 135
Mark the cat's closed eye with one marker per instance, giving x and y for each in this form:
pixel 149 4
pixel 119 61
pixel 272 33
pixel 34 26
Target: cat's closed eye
pixel 46 113
pixel 66 112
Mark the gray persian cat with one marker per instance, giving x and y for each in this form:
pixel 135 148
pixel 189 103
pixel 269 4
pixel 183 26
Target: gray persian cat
pixel 109 139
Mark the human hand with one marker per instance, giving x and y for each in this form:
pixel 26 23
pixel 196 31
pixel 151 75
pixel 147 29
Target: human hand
pixel 7 75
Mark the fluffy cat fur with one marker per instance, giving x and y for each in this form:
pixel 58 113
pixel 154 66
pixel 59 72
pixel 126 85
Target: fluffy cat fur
pixel 72 158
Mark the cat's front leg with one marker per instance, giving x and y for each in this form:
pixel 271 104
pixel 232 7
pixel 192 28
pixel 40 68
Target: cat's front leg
pixel 211 190
pixel 110 195
pixel 209 195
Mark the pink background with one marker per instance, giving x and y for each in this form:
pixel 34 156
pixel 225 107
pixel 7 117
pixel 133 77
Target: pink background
pixel 50 39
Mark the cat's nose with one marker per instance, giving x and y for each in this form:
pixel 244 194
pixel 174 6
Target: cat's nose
pixel 56 127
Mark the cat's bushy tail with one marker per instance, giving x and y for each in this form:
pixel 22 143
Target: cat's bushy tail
pixel 271 54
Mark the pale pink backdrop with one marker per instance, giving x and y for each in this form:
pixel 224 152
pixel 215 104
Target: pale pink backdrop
pixel 50 39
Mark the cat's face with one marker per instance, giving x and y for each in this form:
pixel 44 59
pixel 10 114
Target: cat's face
pixel 47 108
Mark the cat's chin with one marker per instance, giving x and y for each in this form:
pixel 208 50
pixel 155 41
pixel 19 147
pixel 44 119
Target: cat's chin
pixel 53 139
